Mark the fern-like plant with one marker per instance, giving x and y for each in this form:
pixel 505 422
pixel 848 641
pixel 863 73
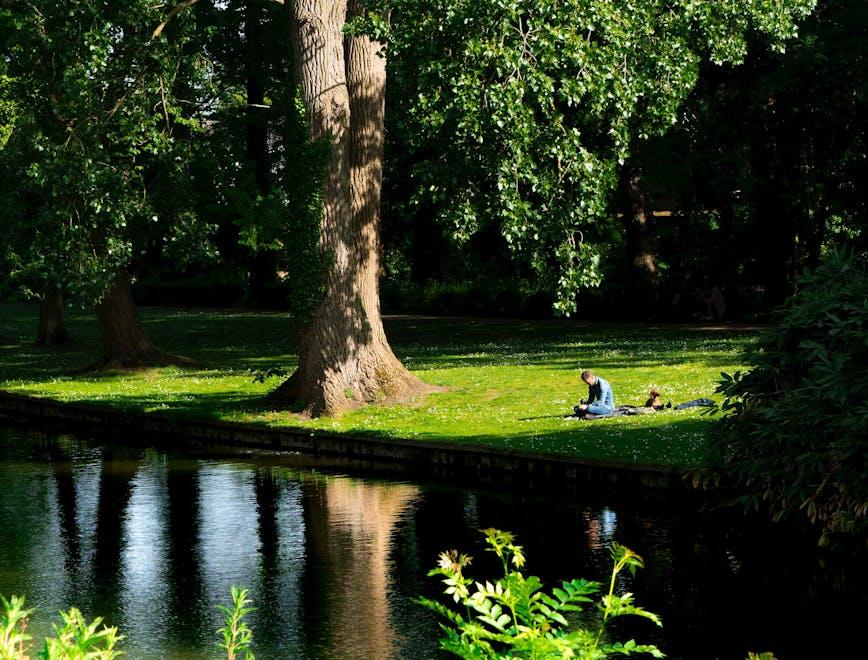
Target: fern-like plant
pixel 76 639
pixel 514 617
pixel 13 624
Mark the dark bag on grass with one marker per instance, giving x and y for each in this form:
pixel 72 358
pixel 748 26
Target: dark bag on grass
pixel 695 403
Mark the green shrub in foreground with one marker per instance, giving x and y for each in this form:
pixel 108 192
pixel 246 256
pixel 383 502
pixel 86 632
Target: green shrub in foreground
pixel 76 639
pixel 794 435
pixel 13 623
pixel 514 618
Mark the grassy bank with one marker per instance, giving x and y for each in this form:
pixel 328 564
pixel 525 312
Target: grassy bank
pixel 509 382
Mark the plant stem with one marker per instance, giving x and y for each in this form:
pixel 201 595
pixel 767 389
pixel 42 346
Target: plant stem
pixel 615 570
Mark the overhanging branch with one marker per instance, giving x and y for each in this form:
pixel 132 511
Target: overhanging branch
pixel 181 6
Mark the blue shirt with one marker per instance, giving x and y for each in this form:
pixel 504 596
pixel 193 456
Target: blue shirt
pixel 601 392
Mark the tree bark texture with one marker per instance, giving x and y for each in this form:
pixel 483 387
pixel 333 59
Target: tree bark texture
pixel 344 357
pixel 52 330
pixel 124 342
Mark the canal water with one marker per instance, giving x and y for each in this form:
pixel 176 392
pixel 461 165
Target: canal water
pixel 152 538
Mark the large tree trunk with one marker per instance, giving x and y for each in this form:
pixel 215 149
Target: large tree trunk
pixel 52 330
pixel 124 342
pixel 344 357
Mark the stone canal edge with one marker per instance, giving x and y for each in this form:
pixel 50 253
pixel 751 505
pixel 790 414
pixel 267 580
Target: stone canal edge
pixel 465 462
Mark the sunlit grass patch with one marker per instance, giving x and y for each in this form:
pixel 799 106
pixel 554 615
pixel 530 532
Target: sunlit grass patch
pixel 508 383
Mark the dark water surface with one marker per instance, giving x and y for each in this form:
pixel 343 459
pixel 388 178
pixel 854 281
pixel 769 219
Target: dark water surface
pixel 152 539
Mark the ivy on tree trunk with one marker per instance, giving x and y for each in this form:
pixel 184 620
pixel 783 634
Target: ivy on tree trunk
pixel 344 357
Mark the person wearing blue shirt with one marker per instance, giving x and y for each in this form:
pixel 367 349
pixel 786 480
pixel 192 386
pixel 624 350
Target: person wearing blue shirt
pixel 601 400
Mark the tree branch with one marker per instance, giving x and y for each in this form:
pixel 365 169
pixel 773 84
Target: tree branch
pixel 181 6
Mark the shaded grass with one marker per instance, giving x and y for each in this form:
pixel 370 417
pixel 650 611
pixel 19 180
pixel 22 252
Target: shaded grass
pixel 509 382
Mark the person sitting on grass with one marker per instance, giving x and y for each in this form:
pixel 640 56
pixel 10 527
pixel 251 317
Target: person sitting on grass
pixel 600 399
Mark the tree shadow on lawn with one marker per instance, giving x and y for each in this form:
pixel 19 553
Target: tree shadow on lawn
pixel 677 441
pixel 30 364
pixel 232 343
pixel 26 362
pixel 562 334
pixel 208 406
pixel 569 362
pixel 559 345
pixel 217 339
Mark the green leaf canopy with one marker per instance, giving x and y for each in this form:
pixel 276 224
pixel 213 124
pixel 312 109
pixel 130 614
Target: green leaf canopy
pixel 529 107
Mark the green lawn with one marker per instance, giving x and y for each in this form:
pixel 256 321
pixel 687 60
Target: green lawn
pixel 509 382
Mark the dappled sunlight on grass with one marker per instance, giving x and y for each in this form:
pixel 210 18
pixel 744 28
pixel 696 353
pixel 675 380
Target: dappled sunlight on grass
pixel 508 383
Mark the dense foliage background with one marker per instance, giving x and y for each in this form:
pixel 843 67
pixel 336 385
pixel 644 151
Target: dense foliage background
pixel 759 174
pixel 96 169
pixel 509 133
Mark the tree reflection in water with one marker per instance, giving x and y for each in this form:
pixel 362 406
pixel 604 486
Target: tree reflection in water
pixel 152 539
pixel 348 570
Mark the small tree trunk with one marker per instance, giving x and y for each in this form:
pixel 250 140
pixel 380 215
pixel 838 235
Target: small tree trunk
pixel 637 219
pixel 52 330
pixel 776 232
pixel 124 343
pixel 263 264
pixel 344 357
pixel 256 146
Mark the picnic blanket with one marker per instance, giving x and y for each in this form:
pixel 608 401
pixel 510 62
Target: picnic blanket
pixel 629 411
pixel 620 411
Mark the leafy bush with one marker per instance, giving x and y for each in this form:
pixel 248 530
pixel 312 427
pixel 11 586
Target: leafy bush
pixel 76 639
pixel 481 297
pixel 13 623
pixel 794 435
pixel 514 618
